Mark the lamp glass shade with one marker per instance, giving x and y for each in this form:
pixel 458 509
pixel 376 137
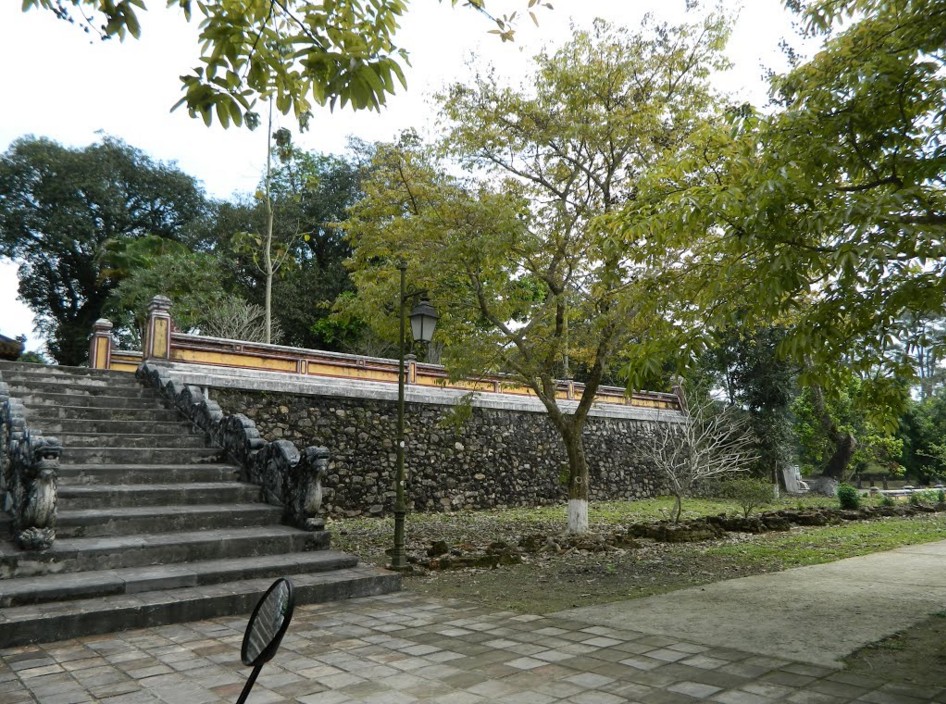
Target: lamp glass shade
pixel 423 321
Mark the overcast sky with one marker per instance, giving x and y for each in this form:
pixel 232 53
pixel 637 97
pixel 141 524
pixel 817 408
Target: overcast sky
pixel 57 83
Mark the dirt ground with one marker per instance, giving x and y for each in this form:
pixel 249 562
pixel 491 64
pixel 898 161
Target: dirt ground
pixel 548 583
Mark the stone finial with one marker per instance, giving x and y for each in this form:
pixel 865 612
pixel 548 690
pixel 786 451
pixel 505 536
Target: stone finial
pixel 157 339
pixel 160 303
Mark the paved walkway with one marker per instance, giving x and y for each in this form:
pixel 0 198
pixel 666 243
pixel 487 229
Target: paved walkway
pixel 404 648
pixel 817 614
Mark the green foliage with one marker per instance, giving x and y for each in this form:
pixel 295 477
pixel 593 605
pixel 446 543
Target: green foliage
pixel 828 213
pixel 749 493
pixel 887 501
pixel 746 365
pixel 59 208
pixel 309 196
pixel 31 357
pixel 927 497
pixel 922 430
pixel 849 410
pixel 849 497
pixel 192 280
pixel 296 54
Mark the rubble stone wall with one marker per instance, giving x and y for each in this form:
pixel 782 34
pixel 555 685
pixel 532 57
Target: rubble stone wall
pixel 477 458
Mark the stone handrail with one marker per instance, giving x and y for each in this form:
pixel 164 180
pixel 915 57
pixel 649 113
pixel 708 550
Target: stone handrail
pixel 29 472
pixel 288 477
pixel 163 343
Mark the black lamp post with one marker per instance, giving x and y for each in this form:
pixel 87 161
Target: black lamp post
pixel 423 321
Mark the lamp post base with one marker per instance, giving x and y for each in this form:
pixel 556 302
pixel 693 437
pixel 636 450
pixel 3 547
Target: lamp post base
pixel 398 554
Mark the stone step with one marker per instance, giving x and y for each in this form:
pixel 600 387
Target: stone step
pixel 163 474
pixel 24 591
pixel 33 400
pixel 82 426
pixel 40 414
pixel 69 555
pixel 107 520
pixel 144 438
pixel 64 374
pixel 138 455
pixel 21 387
pixel 85 617
pixel 91 496
pixel 152 527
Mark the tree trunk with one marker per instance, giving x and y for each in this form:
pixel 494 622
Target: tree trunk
pixel 577 476
pixel 844 443
pixel 268 244
pixel 268 267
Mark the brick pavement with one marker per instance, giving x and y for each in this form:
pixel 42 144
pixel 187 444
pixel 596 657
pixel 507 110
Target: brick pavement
pixel 404 648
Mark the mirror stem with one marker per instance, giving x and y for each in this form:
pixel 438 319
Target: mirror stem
pixel 251 680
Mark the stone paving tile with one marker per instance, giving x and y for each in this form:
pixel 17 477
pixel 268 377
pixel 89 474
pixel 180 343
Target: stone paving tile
pixel 813 698
pixel 705 662
pixel 697 690
pixel 405 648
pixel 740 697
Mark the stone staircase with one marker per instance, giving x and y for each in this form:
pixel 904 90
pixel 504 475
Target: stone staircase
pixel 154 526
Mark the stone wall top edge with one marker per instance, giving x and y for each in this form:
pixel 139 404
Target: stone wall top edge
pixel 279 382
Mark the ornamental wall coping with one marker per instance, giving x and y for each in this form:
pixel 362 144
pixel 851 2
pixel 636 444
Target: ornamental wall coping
pixel 212 377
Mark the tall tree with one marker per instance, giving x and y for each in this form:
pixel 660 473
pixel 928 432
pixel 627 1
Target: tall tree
pixel 59 206
pixel 298 53
pixel 315 191
pixel 839 434
pixel 829 210
pixel 838 199
pixel 516 253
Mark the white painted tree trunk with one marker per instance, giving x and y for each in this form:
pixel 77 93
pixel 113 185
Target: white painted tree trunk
pixel 577 516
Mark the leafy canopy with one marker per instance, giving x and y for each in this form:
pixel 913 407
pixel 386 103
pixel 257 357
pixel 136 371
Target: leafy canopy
pixel 828 215
pixel 59 207
pixel 515 251
pixel 297 53
pixel 151 266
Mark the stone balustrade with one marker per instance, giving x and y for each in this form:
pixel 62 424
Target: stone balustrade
pixel 163 344
pixel 29 471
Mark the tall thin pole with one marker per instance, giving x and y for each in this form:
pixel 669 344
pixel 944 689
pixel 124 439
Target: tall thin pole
pixel 398 557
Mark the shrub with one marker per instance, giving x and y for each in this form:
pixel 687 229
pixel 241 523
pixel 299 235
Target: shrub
pixel 887 501
pixel 926 497
pixel 748 493
pixel 849 497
